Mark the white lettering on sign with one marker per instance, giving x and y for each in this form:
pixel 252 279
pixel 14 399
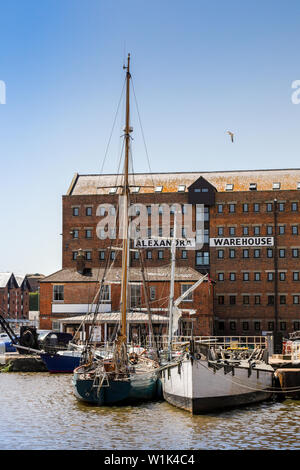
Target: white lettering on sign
pixel 243 241
pixel 164 243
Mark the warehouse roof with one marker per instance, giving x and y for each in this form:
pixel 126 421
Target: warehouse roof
pixel 112 317
pixel 238 180
pixel 115 275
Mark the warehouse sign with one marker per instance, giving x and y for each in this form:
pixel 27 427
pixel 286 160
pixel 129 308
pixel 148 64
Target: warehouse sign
pixel 242 241
pixel 164 242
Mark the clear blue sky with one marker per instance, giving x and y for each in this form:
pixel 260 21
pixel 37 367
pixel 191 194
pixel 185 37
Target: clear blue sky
pixel 199 68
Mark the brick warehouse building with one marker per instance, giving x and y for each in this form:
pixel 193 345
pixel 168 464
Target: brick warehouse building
pixel 255 288
pixel 14 296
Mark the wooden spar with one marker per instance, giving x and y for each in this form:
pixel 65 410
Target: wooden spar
pixel 125 256
pixel 171 302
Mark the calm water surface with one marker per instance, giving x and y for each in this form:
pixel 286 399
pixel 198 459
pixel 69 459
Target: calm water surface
pixel 39 411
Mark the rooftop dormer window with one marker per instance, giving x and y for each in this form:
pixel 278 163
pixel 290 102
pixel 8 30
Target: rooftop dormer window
pixel 181 188
pixel 112 190
pixel 276 185
pixel 229 187
pixel 158 189
pixel 253 187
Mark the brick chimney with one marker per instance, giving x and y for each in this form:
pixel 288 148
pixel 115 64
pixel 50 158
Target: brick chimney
pixel 80 261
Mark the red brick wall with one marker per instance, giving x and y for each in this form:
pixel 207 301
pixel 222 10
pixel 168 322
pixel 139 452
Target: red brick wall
pixel 263 313
pixel 76 293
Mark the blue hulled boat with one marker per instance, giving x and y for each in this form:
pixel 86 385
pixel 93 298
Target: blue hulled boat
pixel 126 377
pixel 62 361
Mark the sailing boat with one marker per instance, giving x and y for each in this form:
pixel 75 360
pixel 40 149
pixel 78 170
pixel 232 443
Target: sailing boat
pixel 206 377
pixel 125 377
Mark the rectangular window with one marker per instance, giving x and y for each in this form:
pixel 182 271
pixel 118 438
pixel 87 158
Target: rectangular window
pixel 294 206
pixel 231 208
pixel 282 325
pixel 232 253
pixel 245 230
pixel 296 325
pixel 295 253
pixel 58 293
pixel 281 229
pixel 74 255
pixel 136 255
pixel 257 299
pixel 282 253
pixel 256 207
pixel 75 233
pixel 269 207
pixel 112 255
pixel 152 293
pixel 270 325
pixel 294 229
pixel 246 299
pixel 160 254
pixel 281 206
pixel 256 230
pixel 221 299
pixel 101 255
pixel 88 211
pixel 246 277
pixel 220 208
pixel 269 253
pixel 270 299
pixel 220 231
pixel 105 292
pixel 75 211
pixel 245 207
pixel 184 254
pixel 202 258
pixel 135 296
pixel 232 325
pixel 245 253
pixel 296 299
pixel 220 276
pixel 220 254
pixel 232 276
pixel 296 276
pixel 282 299
pixel 257 253
pixel 270 276
pixel 232 299
pixel 269 230
pixel 184 288
pixel 282 276
pixel 88 255
pixel 232 231
pixel 257 325
pixel 149 254
pixel 88 233
pixel 245 325
pixel 257 277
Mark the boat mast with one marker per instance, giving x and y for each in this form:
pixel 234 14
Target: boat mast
pixel 171 300
pixel 126 191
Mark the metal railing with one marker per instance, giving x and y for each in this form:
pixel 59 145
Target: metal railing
pixel 224 342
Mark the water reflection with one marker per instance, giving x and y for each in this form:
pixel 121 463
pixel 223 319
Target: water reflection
pixel 39 411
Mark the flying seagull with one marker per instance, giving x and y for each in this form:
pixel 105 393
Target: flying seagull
pixel 231 135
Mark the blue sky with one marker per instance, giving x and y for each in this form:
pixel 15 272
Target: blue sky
pixel 199 68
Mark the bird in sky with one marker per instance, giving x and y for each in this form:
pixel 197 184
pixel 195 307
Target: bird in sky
pixel 231 135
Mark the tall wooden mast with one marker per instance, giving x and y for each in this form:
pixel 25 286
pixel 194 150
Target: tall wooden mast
pixel 126 192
